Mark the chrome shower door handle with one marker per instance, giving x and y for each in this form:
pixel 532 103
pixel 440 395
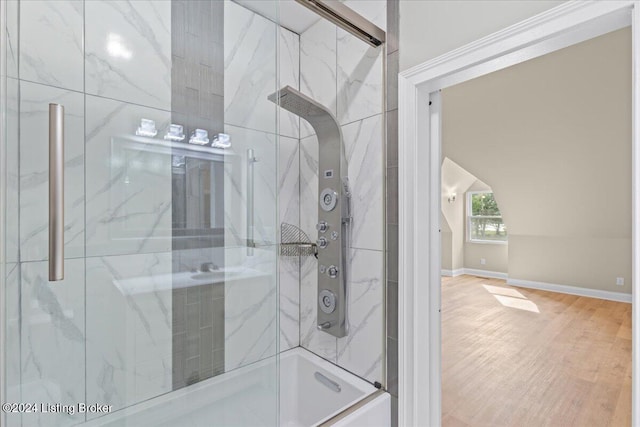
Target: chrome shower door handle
pixel 56 192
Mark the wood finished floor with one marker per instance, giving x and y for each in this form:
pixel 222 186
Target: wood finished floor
pixel 519 357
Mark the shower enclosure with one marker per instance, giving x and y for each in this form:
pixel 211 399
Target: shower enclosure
pixel 145 179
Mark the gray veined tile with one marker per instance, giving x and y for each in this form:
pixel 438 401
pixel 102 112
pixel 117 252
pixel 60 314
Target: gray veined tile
pixel 249 69
pixel 12 25
pixel 289 74
pixel 265 184
pixel 128 207
pixel 318 68
pixel 250 311
pixel 129 328
pixel 12 233
pixel 34 170
pixel 364 150
pixel 12 336
pixel 128 51
pixel 360 79
pixel 51 49
pixel 362 350
pixel 53 340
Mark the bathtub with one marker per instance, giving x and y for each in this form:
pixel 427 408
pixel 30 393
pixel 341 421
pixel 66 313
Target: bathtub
pixel 311 392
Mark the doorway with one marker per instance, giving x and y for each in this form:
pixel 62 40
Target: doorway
pixel 420 135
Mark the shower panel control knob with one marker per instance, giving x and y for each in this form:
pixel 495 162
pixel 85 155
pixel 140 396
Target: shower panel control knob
pixel 328 199
pixel 322 243
pixel 322 226
pixel 327 301
pixel 332 271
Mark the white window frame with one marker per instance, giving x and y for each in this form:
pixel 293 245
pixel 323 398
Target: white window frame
pixel 469 216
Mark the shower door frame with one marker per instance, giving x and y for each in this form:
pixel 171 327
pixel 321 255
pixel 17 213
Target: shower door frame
pixel 419 192
pixel 3 184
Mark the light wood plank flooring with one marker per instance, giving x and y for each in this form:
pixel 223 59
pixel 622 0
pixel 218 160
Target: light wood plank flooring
pixel 519 357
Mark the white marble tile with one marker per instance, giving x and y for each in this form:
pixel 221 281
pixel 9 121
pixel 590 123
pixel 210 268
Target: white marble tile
pixel 266 227
pixel 128 191
pixel 128 51
pixel 318 68
pixel 13 7
pixel 362 350
pixel 251 326
pixel 321 343
pixel 51 50
pixel 289 308
pixel 289 75
pixel 364 149
pixel 289 212
pixel 12 232
pixel 373 10
pixel 53 340
pixel 12 337
pixel 34 170
pixel 360 79
pixel 249 68
pixel 129 334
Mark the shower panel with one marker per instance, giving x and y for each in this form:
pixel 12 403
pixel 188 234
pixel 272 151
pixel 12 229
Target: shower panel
pixel 334 210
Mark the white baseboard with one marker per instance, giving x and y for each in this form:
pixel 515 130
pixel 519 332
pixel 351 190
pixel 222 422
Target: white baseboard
pixel 485 273
pixel 474 272
pixel 452 273
pixel 572 290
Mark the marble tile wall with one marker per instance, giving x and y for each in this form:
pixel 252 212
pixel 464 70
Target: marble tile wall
pixel 346 75
pixel 256 47
pixel 128 328
pixel 128 192
pixel 129 61
pixel 12 337
pixel 52 340
pixel 51 50
pixel 126 205
pixel 34 167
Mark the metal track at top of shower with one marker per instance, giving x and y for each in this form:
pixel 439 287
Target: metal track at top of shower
pixel 347 19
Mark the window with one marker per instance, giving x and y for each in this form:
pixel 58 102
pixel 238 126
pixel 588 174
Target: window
pixel 484 220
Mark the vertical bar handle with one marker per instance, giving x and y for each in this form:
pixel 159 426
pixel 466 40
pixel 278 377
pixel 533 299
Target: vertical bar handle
pixel 251 160
pixel 56 192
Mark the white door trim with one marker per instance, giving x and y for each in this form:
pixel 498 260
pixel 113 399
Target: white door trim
pixel 419 183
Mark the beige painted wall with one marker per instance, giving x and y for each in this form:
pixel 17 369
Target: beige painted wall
pixel 446 240
pixel 552 137
pixel 454 179
pixel 430 28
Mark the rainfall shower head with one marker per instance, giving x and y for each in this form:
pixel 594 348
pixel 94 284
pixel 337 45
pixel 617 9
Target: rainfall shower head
pixel 301 105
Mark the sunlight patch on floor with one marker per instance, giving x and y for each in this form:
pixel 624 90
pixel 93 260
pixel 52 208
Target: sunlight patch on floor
pixel 511 298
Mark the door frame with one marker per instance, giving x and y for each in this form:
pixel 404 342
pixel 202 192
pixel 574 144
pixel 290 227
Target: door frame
pixel 419 182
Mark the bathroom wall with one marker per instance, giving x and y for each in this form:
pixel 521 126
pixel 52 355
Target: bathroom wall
pixel 104 333
pixel 260 57
pixel 347 75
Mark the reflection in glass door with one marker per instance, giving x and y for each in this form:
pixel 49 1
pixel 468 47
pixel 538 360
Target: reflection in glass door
pixel 160 296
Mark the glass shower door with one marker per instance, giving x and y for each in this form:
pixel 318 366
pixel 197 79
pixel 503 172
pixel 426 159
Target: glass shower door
pixel 170 213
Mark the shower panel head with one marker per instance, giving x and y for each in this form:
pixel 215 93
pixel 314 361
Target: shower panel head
pixel 334 216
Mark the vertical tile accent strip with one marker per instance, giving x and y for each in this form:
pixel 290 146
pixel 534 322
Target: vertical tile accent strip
pixel 197 101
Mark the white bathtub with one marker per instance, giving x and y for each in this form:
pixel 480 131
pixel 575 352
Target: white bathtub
pixel 311 391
